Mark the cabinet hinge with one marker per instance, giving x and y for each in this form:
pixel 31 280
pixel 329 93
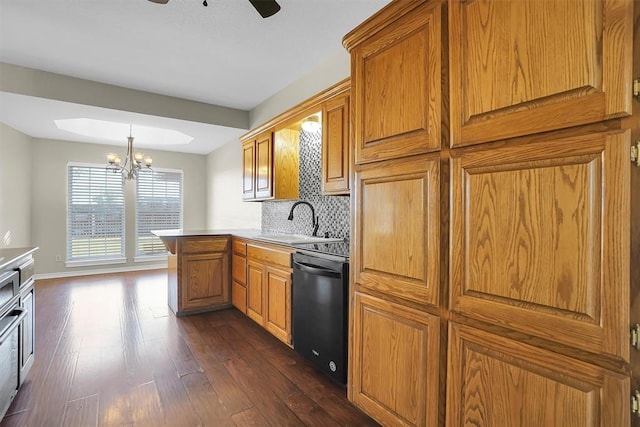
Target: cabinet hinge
pixel 635 154
pixel 635 403
pixel 635 336
pixel 636 88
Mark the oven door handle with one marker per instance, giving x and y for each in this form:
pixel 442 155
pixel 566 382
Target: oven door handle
pixel 19 313
pixel 313 269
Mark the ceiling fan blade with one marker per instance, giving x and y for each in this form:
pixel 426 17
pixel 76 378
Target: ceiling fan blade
pixel 160 1
pixel 266 8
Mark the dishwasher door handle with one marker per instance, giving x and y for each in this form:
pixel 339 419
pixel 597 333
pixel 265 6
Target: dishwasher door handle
pixel 21 313
pixel 318 271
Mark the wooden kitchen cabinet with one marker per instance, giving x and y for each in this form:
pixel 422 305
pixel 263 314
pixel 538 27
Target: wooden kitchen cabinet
pixel 535 203
pixel 397 217
pixel 269 276
pixel 255 291
pixel 528 66
pixel 270 167
pixel 394 362
pixel 535 227
pixel 278 302
pixel 396 84
pixel 257 167
pixel 199 275
pixel 239 274
pixel 496 381
pixel 335 146
pixel 249 170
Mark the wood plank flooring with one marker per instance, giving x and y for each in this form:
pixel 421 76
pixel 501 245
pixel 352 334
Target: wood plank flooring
pixel 110 353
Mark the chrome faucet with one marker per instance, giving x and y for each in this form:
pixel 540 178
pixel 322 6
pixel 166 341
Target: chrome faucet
pixel 314 219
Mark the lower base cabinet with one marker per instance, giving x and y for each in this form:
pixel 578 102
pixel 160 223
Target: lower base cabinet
pixel 394 357
pixel 268 291
pixel 496 381
pixel 199 275
pixel 239 274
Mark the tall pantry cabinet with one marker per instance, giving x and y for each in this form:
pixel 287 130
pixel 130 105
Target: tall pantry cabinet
pixel 494 234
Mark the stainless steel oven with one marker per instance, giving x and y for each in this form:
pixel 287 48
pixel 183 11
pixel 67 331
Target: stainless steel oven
pixel 10 317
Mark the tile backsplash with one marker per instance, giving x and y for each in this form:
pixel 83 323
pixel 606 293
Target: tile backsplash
pixel 332 211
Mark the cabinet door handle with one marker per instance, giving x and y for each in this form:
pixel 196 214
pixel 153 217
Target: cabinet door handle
pixel 318 271
pixel 635 336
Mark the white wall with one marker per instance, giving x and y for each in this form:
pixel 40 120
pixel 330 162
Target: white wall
pixel 49 196
pixel 15 188
pixel 329 72
pixel 225 208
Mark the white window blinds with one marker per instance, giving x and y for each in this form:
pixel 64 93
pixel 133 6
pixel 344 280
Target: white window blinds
pixel 158 207
pixel 95 214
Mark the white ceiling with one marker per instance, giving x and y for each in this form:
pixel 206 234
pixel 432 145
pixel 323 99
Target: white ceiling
pixel 224 54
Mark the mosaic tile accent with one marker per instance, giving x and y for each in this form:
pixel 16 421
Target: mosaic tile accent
pixel 332 211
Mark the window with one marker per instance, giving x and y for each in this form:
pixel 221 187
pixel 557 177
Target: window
pixel 95 215
pixel 158 207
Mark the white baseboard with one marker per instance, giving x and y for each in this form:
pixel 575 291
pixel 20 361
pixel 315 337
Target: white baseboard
pixel 99 271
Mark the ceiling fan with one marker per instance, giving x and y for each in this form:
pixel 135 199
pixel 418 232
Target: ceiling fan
pixel 265 8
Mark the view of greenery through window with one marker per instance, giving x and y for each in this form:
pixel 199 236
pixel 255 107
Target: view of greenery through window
pixel 96 211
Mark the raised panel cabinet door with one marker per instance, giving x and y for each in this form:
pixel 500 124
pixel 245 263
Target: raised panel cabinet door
pixel 396 79
pixel 255 291
pixel 540 239
pixel 248 170
pixel 278 303
pixel 397 226
pixel 493 381
pixel 205 280
pixel 335 146
pixel 520 67
pixel 394 362
pixel 264 166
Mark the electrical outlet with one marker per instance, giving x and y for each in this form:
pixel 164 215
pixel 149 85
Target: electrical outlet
pixel 58 258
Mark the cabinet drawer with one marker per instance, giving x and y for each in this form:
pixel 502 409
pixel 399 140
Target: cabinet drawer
pixel 217 244
pixel 270 254
pixel 239 247
pixel 26 271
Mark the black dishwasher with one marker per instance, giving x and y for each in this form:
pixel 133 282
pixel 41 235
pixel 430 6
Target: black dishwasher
pixel 319 312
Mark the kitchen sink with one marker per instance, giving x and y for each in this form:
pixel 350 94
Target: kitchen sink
pixel 295 239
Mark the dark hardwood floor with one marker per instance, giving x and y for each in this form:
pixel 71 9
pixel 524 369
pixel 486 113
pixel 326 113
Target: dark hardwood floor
pixel 110 353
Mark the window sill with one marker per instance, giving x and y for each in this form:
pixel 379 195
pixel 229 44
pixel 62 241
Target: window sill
pixel 150 258
pixel 91 262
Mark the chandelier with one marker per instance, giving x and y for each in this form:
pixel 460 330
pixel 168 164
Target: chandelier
pixel 132 163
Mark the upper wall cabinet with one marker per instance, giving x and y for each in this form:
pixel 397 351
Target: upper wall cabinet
pixel 270 167
pixel 528 66
pixel 335 146
pixel 396 92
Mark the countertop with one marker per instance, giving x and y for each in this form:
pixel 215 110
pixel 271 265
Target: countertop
pixel 340 249
pixel 10 255
pixel 247 233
